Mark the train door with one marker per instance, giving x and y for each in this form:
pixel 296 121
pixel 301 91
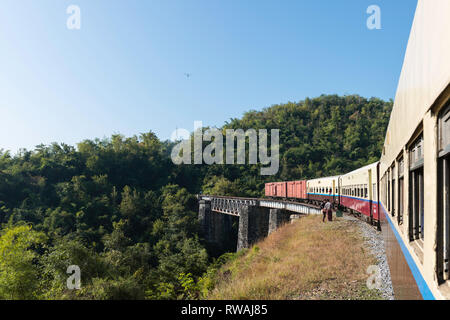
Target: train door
pixel 416 212
pixel 333 191
pixel 443 225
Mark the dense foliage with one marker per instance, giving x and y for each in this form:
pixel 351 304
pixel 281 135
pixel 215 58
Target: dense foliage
pixel 127 216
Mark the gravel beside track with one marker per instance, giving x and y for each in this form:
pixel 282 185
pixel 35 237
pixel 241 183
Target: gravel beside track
pixel 374 241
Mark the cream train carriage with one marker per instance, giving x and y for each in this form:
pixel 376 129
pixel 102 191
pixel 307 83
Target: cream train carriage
pixel 414 167
pixel 359 192
pixel 323 188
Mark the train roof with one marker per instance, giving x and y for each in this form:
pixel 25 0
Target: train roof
pixel 362 168
pixel 424 77
pixel 324 178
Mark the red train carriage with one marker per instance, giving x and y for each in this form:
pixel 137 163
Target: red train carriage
pixel 296 189
pixel 269 189
pixel 276 190
pixel 291 190
pixel 280 189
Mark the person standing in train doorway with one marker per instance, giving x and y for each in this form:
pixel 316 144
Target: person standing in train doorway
pixel 329 210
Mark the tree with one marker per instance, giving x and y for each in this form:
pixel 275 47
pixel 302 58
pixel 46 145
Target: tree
pixel 19 271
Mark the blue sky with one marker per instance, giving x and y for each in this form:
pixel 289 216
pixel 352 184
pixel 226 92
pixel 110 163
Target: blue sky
pixel 124 70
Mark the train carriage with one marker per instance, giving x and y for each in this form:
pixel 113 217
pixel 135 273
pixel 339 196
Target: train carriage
pixel 323 188
pixel 269 189
pixel 414 175
pixel 296 190
pixel 358 191
pixel 293 190
pixel 276 189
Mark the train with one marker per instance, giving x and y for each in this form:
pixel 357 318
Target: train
pixel 355 192
pixel 407 192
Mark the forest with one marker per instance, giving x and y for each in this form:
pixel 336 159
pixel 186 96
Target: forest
pixel 127 216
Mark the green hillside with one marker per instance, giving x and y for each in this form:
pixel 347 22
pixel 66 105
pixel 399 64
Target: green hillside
pixel 121 210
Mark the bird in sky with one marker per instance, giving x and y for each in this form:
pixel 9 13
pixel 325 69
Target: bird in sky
pixel 187 75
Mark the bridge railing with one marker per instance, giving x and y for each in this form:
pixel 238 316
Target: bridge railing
pixel 232 205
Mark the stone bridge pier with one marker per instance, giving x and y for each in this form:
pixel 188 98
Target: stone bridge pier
pixel 215 227
pixel 255 223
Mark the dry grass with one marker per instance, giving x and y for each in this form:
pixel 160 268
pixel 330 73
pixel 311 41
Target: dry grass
pixel 305 260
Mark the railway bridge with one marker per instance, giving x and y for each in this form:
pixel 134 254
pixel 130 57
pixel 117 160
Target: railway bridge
pixel 257 217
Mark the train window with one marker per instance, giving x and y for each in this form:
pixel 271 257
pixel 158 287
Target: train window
pixel 443 225
pixel 416 212
pixel 389 190
pixel 365 192
pixel 401 182
pixel 401 167
pixel 416 154
pixel 393 190
pixel 400 200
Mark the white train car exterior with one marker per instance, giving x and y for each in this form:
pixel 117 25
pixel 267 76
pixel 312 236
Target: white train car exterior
pixel 359 191
pixel 323 188
pixel 414 167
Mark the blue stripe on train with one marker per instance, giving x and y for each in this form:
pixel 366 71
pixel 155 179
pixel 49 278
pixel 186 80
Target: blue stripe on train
pixel 420 281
